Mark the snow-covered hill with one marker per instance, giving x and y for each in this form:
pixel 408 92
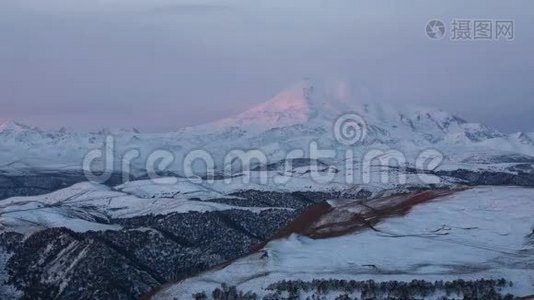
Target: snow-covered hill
pixel 90 207
pixel 485 232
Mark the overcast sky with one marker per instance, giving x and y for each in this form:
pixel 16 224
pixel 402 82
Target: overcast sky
pixel 160 65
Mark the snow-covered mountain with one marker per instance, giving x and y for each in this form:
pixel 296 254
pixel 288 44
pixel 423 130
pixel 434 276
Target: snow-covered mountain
pixel 303 113
pixel 60 238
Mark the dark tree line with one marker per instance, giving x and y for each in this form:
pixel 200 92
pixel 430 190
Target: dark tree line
pixel 351 289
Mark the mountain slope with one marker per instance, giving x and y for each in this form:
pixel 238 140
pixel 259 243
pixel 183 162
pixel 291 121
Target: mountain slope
pixel 492 241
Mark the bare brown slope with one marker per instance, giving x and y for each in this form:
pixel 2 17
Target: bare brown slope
pixel 324 221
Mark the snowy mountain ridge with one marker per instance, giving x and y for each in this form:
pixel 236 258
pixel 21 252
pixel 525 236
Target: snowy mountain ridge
pixel 314 104
pixel 292 119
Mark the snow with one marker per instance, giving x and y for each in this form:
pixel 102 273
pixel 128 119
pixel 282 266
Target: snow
pixel 291 120
pixel 473 234
pixel 7 291
pixel 29 218
pixel 89 206
pixel 288 108
pixel 10 127
pixel 450 238
pixel 171 187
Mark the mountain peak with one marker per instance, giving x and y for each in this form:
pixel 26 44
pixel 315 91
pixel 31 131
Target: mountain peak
pixel 297 104
pixel 289 107
pixel 523 138
pixel 12 127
